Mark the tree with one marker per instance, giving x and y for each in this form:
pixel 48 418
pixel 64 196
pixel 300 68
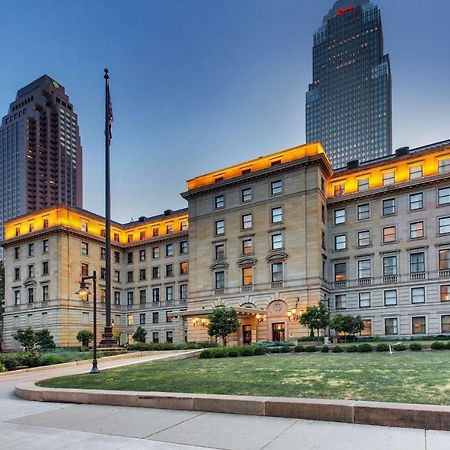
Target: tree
pixel 84 337
pixel 223 322
pixel 139 335
pixel 27 338
pixel 315 318
pixel 44 339
pixel 347 324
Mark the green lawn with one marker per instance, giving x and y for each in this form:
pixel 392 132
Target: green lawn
pixel 422 377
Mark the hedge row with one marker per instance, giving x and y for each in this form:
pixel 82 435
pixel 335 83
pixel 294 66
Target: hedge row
pixel 152 346
pixel 11 361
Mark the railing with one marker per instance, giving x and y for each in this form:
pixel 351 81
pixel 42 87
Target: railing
pixel 248 288
pixel 277 284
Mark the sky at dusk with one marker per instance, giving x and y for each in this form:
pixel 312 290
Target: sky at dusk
pixel 202 84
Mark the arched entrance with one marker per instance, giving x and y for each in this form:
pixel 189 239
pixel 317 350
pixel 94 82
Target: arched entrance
pixel 277 320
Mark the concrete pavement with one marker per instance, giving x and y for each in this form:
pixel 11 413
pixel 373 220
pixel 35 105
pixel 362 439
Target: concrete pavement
pixel 36 425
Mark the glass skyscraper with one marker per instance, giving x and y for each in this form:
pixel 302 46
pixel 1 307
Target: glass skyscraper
pixel 349 103
pixel 40 151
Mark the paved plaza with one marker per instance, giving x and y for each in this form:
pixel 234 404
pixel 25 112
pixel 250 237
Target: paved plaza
pixel 36 425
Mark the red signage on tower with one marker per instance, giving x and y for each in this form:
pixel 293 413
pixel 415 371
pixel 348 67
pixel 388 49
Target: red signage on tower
pixel 344 10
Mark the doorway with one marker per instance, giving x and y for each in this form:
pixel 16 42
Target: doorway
pixel 278 332
pixel 247 334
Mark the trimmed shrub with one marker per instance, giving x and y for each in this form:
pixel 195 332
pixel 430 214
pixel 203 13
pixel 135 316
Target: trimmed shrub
pixel 3 368
pixel 248 352
pixel 351 349
pixel 260 351
pixel 325 349
pixel 382 347
pixel 219 353
pixel 48 360
pixel 437 345
pixel 365 348
pixel 399 347
pixel 337 349
pixel 275 350
pixel 415 346
pixel 205 354
pixel 32 359
pixel 310 349
pixel 286 349
pixel 233 353
pixel 299 348
pixel 447 345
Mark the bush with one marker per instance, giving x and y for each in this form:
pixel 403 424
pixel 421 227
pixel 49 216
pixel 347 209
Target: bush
pixel 351 349
pixel 219 353
pixel 415 346
pixel 84 337
pixel 447 345
pixel 310 349
pixel 299 348
pixel 44 339
pixel 286 349
pixel 32 359
pixel 275 350
pixel 365 348
pixel 248 352
pixel 337 349
pixel 3 368
pixel 10 361
pixel 260 351
pixel 233 353
pixel 48 360
pixel 382 347
pixel 325 349
pixel 205 354
pixel 438 345
pixel 399 347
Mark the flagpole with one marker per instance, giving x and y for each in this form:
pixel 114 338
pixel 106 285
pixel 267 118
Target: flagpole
pixel 107 339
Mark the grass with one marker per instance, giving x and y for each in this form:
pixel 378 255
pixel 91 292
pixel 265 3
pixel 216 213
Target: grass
pixel 407 377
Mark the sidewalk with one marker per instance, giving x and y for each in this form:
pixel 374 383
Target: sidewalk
pixel 37 425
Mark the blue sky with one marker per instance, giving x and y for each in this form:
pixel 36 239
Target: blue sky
pixel 201 84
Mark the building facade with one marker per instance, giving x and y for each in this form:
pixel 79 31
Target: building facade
pixel 40 151
pixel 349 102
pixel 268 237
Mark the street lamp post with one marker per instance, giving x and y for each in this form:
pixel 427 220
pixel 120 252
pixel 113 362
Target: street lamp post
pixel 84 292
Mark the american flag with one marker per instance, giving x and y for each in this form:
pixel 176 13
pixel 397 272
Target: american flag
pixel 109 115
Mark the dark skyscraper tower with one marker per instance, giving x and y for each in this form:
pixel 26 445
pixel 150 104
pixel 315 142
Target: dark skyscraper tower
pixel 40 151
pixel 349 103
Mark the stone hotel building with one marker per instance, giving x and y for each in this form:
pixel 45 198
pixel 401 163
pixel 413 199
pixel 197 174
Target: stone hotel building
pixel 269 237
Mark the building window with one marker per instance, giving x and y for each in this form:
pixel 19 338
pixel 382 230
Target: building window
pixel 444 165
pixel 389 234
pixel 183 291
pixel 155 232
pixel 130 320
pixel 418 325
pixel 444 259
pixel 130 276
pixel 130 258
pixel 323 214
pixel 142 319
pixel 220 251
pixel 169 228
pixel 169 250
pixel 169 336
pixel 444 196
pixel 130 238
pixel 246 195
pixel 416 201
pixel 277 241
pixel 142 255
pixel 247 222
pixel 418 295
pixel 338 189
pixel 183 225
pixel 102 253
pixel 116 237
pixel 31 271
pixel 340 271
pixel 340 242
pixel 364 269
pixel 169 293
pixel 45 246
pixel 416 230
pixel 142 275
pixel 364 299
pixel 247 246
pixel 367 330
pixel 389 265
pixel 391 326
pixel 415 172
pixel 364 212
pixel 142 235
pixel 219 280
pixel 277 215
pixel 277 272
pixel 45 295
pixel 389 207
pixel 117 257
pixel 130 298
pixel 444 225
pixel 390 298
pixel 155 252
pixel 247 276
pixel 388 178
pixel 155 337
pixel 363 238
pixel 341 301
pixel 155 317
pixel 219 202
pixel 363 184
pixel 84 269
pixel 116 297
pixel 17 297
pixel 169 270
pixel 84 226
pixel 45 270
pixel 30 295
pixel 30 250
pixel 17 253
pixel 445 324
pixel 155 272
pixel 276 187
pixel 155 295
pixel 417 262
pixel 183 247
pixel 45 223
pixel 339 216
pixel 444 293
pixel 17 274
pixel 117 276
pixel 184 268
pixel 220 227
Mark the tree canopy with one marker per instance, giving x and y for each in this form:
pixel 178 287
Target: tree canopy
pixel 223 322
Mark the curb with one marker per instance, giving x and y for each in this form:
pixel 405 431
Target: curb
pixel 357 412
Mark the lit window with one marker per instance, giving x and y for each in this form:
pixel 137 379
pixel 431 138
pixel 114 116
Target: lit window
pixel 247 246
pixel 130 319
pixel 416 230
pixel 339 189
pixel 389 234
pixel 247 276
pixel 184 268
pixel 418 325
pixel 444 259
pixel 340 271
